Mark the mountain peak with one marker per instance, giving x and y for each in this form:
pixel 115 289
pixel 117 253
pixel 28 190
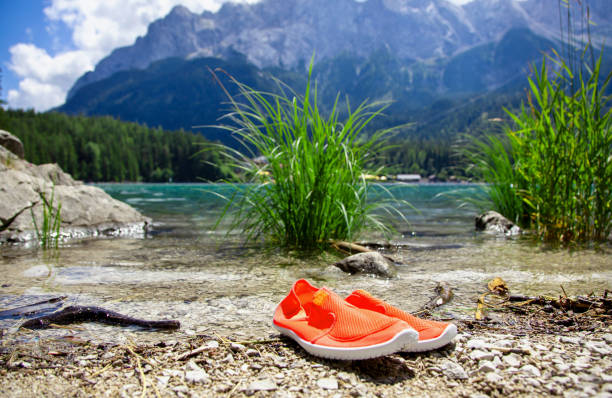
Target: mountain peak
pixel 287 32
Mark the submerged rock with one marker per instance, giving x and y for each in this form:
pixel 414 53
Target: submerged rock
pixel 368 263
pixel 86 211
pixel 494 223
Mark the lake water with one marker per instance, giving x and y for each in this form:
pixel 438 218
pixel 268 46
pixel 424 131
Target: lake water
pixel 213 283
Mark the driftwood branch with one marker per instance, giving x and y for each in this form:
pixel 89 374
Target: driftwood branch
pixel 77 313
pixel 444 294
pixel 32 309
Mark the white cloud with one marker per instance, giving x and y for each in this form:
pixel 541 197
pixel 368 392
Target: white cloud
pixel 97 28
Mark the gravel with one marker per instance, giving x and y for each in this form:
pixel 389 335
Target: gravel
pixel 482 361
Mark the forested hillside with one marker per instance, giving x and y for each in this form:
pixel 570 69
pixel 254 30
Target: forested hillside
pixel 106 149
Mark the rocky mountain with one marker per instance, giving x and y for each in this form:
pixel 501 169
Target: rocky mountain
pixel 285 33
pixel 181 93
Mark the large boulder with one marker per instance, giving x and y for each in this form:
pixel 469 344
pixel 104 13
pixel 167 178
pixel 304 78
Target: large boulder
pixel 368 263
pixel 12 143
pixel 86 211
pixel 494 223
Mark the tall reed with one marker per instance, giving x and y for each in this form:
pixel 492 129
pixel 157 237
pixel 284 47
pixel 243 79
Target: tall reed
pixel 311 187
pixel 49 231
pixel 553 171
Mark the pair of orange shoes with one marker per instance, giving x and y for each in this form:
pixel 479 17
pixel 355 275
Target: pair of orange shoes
pixel 359 327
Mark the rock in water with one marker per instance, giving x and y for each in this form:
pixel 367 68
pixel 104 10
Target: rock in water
pixel 494 223
pixel 368 263
pixel 86 211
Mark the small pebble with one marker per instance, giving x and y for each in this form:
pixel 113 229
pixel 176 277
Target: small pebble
pixel 262 385
pixel 486 366
pixel 237 347
pixel 494 378
pixel 328 383
pixel 531 370
pixel 512 360
pixel 453 370
pixel 476 344
pixel 479 355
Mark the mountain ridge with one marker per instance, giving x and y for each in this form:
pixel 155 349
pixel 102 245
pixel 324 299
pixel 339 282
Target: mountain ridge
pixel 285 33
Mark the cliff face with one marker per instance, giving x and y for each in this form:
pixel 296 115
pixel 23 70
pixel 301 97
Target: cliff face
pixel 86 211
pixel 286 32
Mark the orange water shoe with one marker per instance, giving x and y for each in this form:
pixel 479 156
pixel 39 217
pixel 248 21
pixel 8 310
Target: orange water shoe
pixel 327 326
pixel 432 334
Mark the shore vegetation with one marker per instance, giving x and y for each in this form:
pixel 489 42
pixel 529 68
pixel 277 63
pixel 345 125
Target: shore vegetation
pixel 308 186
pixel 551 171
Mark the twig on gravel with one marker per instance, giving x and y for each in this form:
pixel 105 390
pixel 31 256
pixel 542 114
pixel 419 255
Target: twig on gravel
pixel 143 378
pixel 444 294
pixel 104 369
pixel 192 353
pixel 256 342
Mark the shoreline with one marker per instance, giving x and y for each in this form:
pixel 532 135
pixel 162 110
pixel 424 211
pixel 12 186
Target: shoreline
pixel 484 360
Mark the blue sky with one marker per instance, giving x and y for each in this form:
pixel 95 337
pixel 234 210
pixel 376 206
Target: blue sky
pixel 45 45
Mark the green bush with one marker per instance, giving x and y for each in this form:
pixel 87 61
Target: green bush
pixel 310 189
pixel 553 171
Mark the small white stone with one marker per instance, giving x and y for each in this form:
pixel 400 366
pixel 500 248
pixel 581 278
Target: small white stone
pixel 328 383
pixel 486 367
pixel 196 376
pixel 504 343
pixel 453 370
pixel 210 344
pixel 229 358
pixel 569 340
pixel 192 366
pixel 531 370
pixel 183 389
pixel 533 382
pixel 262 385
pixel 172 372
pixel 561 380
pixel 252 352
pixel 512 360
pixel 162 381
pixel 237 347
pixel 598 347
pixel 479 355
pixel 607 338
pixel 476 344
pixel 494 378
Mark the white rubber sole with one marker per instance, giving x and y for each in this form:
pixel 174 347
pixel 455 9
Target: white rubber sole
pixel 402 341
pixel 427 345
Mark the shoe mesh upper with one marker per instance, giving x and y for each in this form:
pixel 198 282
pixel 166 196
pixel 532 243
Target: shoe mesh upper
pixel 427 329
pixel 352 322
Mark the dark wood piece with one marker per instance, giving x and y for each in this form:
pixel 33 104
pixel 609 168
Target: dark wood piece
pixel 77 313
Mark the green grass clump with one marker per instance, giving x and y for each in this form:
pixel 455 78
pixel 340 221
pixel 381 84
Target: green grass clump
pixel 311 189
pixel 49 231
pixel 553 172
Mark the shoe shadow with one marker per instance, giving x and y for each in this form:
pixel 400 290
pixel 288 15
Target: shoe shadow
pixel 390 369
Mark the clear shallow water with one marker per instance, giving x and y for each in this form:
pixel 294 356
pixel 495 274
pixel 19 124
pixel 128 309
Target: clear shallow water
pixel 212 283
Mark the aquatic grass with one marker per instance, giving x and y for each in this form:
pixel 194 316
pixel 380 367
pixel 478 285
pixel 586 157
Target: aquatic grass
pixel 306 184
pixel 49 231
pixel 553 171
pixel 491 158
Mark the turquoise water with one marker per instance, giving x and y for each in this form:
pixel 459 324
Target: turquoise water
pixel 214 283
pixel 435 209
